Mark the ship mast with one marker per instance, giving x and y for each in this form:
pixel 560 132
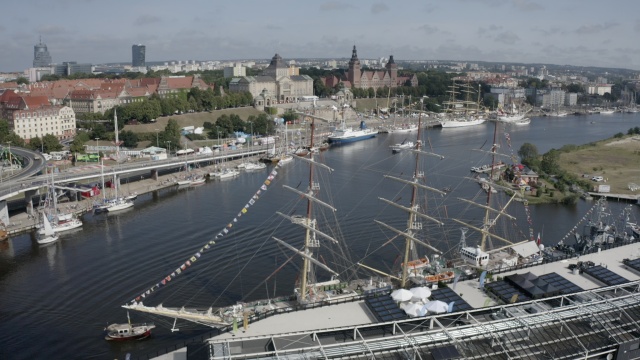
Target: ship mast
pixel 115 124
pixel 484 238
pixel 488 223
pixel 307 238
pixel 413 225
pixel 311 233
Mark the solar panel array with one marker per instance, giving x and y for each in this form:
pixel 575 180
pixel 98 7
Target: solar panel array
pixel 634 264
pixel 565 286
pixel 605 275
pixel 447 295
pixel 505 291
pixel 385 308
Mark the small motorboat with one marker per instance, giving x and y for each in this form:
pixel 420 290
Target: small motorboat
pixel 128 331
pixel 402 146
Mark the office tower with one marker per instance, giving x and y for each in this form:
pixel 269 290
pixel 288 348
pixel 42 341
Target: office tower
pixel 137 55
pixel 41 56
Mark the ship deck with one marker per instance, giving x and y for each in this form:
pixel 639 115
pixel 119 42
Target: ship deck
pixel 596 321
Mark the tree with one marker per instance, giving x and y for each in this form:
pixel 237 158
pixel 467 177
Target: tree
pixel 22 80
pixel 549 162
pixel 225 125
pixel 528 153
pixel 172 133
pixel 77 145
pixel 98 131
pixel 36 144
pixel 51 143
pixel 129 139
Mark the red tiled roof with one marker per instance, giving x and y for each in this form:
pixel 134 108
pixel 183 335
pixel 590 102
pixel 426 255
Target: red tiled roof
pixel 81 94
pixel 8 95
pixel 180 82
pixel 34 102
pixel 9 85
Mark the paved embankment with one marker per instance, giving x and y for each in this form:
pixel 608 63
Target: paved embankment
pixel 23 222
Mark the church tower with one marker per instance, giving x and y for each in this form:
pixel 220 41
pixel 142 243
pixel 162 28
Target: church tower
pixel 392 68
pixel 354 69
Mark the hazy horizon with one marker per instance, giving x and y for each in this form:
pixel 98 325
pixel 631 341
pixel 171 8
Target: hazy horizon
pixel 570 32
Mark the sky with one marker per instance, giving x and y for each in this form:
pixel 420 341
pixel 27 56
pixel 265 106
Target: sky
pixel 562 32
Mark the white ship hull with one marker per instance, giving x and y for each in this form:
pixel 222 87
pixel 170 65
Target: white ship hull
pixel 461 123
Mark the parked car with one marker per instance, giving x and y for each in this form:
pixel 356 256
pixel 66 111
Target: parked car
pixel 597 178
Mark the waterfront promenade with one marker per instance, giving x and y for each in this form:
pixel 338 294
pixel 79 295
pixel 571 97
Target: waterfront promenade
pixel 22 222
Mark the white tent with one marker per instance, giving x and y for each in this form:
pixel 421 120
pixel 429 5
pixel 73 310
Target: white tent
pixel 414 309
pixel 401 295
pixel 420 293
pixel 436 307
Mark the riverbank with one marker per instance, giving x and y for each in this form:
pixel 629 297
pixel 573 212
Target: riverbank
pixel 22 222
pixel 616 160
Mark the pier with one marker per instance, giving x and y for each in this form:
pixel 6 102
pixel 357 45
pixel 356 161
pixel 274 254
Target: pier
pixel 151 181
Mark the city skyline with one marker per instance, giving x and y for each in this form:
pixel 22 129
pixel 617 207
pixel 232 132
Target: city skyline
pixel 570 32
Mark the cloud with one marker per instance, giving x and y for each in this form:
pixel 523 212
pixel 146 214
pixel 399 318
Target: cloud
pixel 274 27
pixel 146 20
pixel 51 30
pixel 2 28
pixel 491 28
pixel 637 26
pixel 525 5
pixel 334 6
pixel 492 3
pixel 507 37
pixel 550 31
pixel 595 28
pixel 378 8
pixel 428 29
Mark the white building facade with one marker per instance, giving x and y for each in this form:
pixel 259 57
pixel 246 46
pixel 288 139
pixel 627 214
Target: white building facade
pixel 59 121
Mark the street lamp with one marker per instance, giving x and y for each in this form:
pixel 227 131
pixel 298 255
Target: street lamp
pixel 169 146
pixel 157 138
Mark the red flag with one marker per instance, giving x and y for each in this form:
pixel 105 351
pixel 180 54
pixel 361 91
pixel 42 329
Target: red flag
pixel 538 242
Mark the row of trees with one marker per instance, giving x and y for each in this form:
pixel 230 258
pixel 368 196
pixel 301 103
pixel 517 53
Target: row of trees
pixel 193 100
pixel 226 125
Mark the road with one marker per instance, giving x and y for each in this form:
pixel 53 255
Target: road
pixel 26 180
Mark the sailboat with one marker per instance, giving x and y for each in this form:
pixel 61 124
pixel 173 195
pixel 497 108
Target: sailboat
pixel 223 172
pixel 118 203
pixel 48 235
pixel 58 221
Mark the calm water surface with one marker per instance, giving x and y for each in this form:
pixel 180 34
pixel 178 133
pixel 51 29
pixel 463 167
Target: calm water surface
pixel 55 300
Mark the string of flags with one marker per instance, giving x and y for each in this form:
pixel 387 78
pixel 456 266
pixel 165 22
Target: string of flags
pixel 584 218
pixel 210 243
pixel 526 203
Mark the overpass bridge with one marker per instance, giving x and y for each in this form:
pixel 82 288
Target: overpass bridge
pixel 28 186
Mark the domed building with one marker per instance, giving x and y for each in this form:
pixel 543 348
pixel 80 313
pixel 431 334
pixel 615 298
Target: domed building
pixel 278 82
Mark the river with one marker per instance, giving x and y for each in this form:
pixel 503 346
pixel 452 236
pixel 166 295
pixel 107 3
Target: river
pixel 55 300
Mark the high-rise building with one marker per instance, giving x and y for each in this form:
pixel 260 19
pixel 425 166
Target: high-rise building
pixel 41 56
pixel 137 55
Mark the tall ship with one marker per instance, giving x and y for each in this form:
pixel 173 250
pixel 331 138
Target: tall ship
pixel 462 113
pixel 318 283
pixel 429 307
pixel 514 115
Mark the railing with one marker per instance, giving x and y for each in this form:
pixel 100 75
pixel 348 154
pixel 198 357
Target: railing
pixel 12 188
